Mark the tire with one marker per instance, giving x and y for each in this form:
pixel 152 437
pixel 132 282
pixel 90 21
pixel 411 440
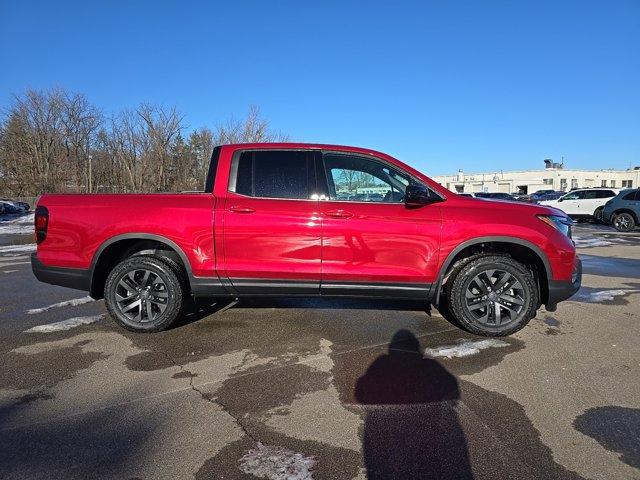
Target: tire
pixel 597 215
pixel 450 277
pixel 624 222
pixel 155 286
pixel 516 305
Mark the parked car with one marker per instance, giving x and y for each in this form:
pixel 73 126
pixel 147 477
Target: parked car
pixel 270 223
pixel 583 203
pixel 623 211
pixel 552 196
pixel 495 196
pixel 10 208
pixel 17 207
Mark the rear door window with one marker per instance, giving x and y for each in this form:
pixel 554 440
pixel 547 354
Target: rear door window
pixel 605 194
pixel 273 174
pixel 590 194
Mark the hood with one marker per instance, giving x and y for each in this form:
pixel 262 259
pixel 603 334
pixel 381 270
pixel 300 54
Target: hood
pixel 515 206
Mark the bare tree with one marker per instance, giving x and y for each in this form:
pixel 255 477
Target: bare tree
pixel 56 141
pixel 81 121
pixel 252 129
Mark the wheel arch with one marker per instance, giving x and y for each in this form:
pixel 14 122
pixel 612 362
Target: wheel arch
pixel 116 248
pixel 525 251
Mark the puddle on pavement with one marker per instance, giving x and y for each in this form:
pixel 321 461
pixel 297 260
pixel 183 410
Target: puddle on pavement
pixel 552 322
pixel 47 368
pixel 277 329
pixel 617 429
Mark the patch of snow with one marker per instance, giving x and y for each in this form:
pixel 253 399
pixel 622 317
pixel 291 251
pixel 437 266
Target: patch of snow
pixel 30 247
pixel 601 295
pixel 67 303
pixel 277 463
pixel 17 226
pixel 10 263
pixel 590 242
pixel 64 324
pixel 464 348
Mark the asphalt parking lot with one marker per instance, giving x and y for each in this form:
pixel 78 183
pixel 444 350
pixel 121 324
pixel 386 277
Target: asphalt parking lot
pixel 321 389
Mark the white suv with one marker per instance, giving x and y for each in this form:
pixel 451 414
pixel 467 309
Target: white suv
pixel 583 203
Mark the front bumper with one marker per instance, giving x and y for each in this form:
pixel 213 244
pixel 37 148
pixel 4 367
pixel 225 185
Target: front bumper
pixel 560 290
pixel 64 277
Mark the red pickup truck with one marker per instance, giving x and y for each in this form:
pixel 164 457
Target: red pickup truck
pixel 305 220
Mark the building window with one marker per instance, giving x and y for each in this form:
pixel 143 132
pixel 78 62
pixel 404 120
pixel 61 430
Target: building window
pixel 547 181
pixel 574 183
pixel 613 184
pixel 604 183
pixel 563 184
pixel 627 183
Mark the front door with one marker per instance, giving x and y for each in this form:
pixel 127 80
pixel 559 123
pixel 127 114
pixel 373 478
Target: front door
pixel 570 203
pixel 371 243
pixel 271 229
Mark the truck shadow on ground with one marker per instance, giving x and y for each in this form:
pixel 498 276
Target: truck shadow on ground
pixel 199 309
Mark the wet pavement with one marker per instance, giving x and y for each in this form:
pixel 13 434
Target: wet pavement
pixel 323 389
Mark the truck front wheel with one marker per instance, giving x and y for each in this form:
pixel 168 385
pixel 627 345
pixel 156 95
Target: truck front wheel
pixel 145 293
pixel 493 296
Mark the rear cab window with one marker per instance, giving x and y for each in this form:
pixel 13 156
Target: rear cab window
pixel 276 174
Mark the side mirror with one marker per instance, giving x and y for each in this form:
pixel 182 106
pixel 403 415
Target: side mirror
pixel 418 195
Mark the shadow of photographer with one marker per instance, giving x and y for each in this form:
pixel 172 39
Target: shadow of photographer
pixel 411 430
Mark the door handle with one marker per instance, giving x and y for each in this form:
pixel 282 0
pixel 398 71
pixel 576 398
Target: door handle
pixel 338 214
pixel 239 209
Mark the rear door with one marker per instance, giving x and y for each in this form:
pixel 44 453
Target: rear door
pixel 590 201
pixel 602 197
pixel 372 244
pixel 271 229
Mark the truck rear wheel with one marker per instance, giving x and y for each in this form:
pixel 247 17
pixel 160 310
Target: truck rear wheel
pixel 145 293
pixel 493 296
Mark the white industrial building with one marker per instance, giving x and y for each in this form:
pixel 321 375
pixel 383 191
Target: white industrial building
pixel 529 181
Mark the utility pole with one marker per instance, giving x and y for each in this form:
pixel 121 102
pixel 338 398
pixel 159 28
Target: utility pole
pixel 89 185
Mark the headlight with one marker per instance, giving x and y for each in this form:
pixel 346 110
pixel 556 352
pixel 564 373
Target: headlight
pixel 560 223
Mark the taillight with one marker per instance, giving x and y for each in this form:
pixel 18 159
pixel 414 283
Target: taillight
pixel 41 221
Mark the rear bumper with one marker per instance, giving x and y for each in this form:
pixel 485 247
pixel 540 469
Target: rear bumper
pixel 64 277
pixel 607 215
pixel 560 290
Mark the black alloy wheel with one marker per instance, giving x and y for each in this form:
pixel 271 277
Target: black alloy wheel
pixel 492 295
pixel 145 293
pixel 624 222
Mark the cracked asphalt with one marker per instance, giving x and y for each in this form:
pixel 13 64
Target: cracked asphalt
pixel 344 386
